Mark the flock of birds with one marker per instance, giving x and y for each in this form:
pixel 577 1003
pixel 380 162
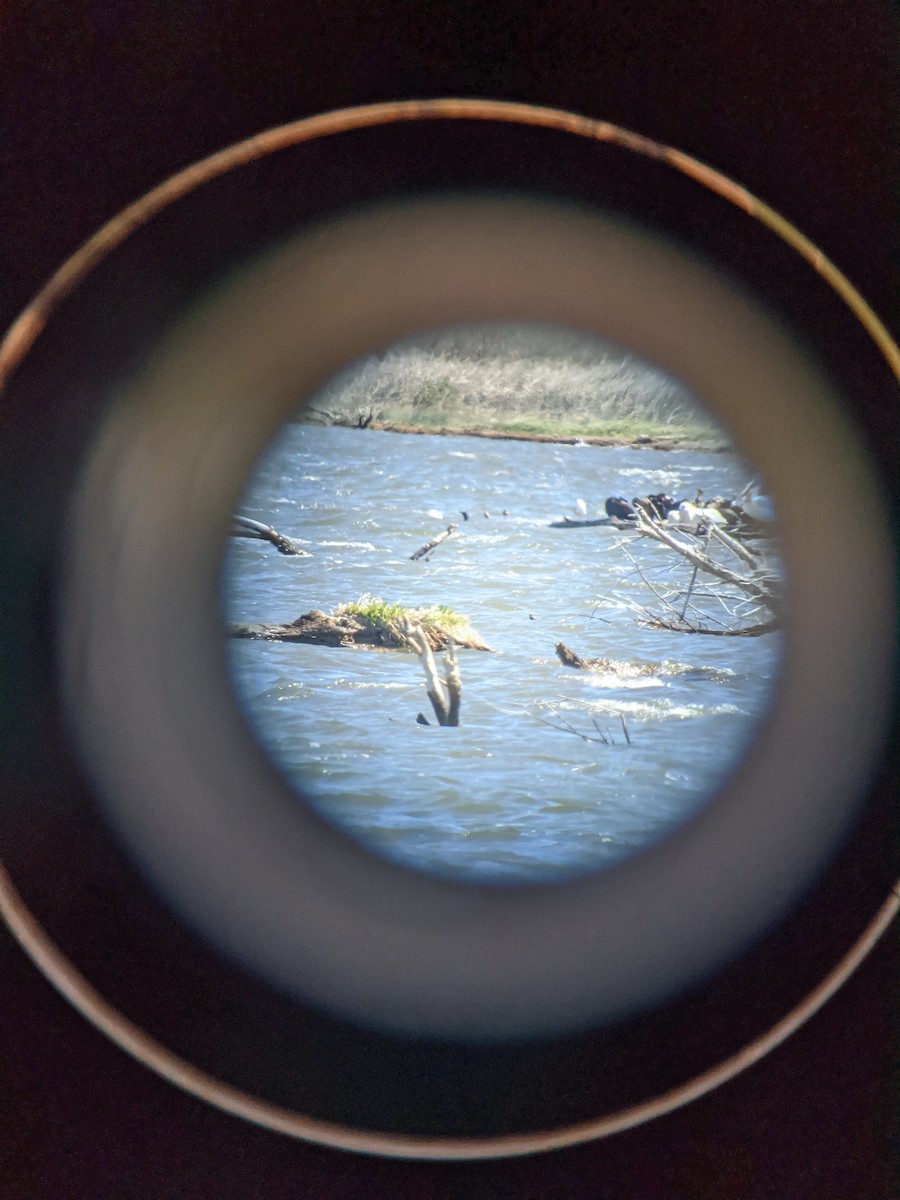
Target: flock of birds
pixel 662 507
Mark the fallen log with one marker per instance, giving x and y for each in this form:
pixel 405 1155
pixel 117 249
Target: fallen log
pixel 637 670
pixel 611 666
pixel 370 624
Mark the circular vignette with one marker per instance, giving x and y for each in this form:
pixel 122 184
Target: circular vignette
pixel 76 989
pixel 26 329
pixel 385 766
pixel 271 882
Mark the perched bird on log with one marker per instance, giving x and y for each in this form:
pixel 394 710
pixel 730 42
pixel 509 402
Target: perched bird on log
pixel 656 507
pixel 618 506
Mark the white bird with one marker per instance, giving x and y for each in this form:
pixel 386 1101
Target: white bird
pixel 685 514
pixel 692 514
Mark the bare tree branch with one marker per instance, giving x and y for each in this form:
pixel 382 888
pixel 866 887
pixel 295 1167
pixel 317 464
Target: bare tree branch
pixel 758 591
pixel 744 553
pixel 684 627
pixel 604 738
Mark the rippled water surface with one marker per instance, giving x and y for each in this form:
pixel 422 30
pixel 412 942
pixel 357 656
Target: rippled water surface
pixel 505 796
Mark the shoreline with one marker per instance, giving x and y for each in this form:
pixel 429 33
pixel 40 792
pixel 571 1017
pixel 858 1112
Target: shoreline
pixel 639 441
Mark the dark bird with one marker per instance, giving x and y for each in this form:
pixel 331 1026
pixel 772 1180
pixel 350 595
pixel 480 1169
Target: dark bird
pixel 643 503
pixel 657 506
pixel 618 506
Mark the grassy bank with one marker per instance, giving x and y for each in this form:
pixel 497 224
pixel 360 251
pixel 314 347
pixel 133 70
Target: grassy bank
pixel 519 380
pixel 611 433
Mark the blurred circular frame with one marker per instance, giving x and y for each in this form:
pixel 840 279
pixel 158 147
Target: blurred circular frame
pixel 546 267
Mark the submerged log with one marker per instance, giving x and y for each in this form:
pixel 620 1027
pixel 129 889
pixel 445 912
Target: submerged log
pixel 429 546
pixel 643 670
pixel 569 658
pixel 247 527
pixel 585 523
pixel 347 628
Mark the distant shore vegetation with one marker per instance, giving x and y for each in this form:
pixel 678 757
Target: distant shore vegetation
pixel 518 379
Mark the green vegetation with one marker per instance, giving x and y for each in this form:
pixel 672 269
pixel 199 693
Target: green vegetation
pixel 377 613
pixel 385 624
pixel 436 394
pixel 373 609
pixel 700 436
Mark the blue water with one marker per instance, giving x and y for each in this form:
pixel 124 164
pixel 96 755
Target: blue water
pixel 505 796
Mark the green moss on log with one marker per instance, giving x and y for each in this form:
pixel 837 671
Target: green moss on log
pixel 372 622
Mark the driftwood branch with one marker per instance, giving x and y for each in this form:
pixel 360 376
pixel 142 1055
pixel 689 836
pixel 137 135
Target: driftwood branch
pixel 664 600
pixel 247 527
pixel 603 736
pixel 690 588
pixel 429 546
pixel 446 708
pixel 744 553
pixel 687 627
pixel 719 599
pixel 758 591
